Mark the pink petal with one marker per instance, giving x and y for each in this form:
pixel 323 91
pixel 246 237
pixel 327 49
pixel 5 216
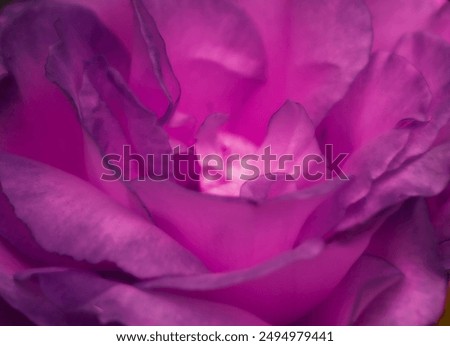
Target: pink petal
pixel 429 55
pixel 391 160
pixel 216 53
pixel 120 116
pixel 31 304
pixel 47 140
pixel 17 234
pixel 43 130
pixel 108 111
pixel 392 19
pixel 116 15
pixel 368 111
pixel 285 288
pixel 386 173
pixel 81 295
pixel 399 280
pixel 315 49
pixel 408 241
pixel 291 131
pixel 151 75
pixel 69 217
pixel 366 280
pixel 202 223
pixel 212 138
pixel 439 22
pixel 263 188
pixel 426 175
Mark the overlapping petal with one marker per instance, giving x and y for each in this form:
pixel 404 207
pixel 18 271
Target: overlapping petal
pixel 287 287
pixel 216 52
pixel 45 131
pixel 399 280
pixel 202 223
pixel 84 296
pixel 312 56
pixel 69 217
pixel 31 304
pixel 78 83
pixel 289 139
pixel 387 91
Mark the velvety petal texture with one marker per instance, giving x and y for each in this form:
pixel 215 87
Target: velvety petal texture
pixel 108 302
pixel 392 283
pixel 216 52
pixel 202 222
pixel 392 19
pixel 86 217
pixel 32 128
pixel 368 111
pixel 356 92
pixel 439 22
pixel 312 56
pixel 276 289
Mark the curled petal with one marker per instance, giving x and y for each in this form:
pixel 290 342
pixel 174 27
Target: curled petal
pixel 106 107
pixel 426 175
pixel 216 53
pixel 33 305
pixel 408 241
pixel 398 281
pixel 42 130
pixel 151 77
pixel 315 49
pixel 276 289
pixel 85 296
pixel 367 111
pixel 67 216
pixel 413 268
pixel 366 280
pixel 290 138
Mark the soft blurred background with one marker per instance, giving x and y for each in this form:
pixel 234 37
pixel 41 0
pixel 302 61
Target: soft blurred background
pixel 445 320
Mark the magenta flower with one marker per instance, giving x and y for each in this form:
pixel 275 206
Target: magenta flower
pixel 367 242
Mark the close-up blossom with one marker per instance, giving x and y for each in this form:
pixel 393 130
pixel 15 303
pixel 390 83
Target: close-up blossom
pixel 224 162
